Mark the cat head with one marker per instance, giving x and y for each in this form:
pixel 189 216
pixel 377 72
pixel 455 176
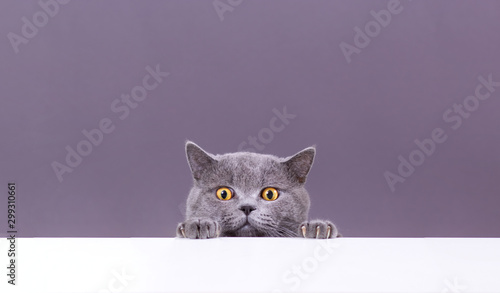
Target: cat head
pixel 249 194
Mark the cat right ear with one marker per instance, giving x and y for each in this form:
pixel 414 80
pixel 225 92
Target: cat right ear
pixel 198 159
pixel 300 163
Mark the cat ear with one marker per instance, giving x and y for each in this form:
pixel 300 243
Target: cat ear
pixel 300 163
pixel 198 159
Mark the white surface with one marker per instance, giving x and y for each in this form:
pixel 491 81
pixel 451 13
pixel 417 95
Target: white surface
pixel 255 265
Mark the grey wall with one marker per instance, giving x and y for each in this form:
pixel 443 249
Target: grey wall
pixel 226 75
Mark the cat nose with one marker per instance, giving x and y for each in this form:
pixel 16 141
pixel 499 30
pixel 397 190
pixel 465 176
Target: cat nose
pixel 247 209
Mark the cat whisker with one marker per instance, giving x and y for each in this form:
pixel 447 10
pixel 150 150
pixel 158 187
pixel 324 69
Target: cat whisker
pixel 277 231
pixel 287 233
pixel 270 225
pixel 272 229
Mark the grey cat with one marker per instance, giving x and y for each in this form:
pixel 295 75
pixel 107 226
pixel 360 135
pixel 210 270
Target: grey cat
pixel 250 195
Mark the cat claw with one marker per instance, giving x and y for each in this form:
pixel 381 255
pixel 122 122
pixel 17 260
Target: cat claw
pixel 199 228
pixel 303 228
pixel 182 231
pixel 318 229
pixel 328 232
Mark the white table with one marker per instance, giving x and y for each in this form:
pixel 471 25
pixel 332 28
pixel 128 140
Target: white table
pixel 254 265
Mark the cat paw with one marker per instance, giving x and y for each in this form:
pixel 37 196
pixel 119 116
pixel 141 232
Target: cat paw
pixel 318 229
pixel 198 229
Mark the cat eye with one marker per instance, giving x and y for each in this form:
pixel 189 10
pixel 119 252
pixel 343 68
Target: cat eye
pixel 224 193
pixel 270 194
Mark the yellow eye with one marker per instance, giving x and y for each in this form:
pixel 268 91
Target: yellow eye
pixel 270 194
pixel 224 193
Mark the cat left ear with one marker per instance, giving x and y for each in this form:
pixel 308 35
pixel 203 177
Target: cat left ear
pixel 198 159
pixel 300 163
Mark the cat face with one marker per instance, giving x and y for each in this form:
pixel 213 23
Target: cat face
pixel 249 194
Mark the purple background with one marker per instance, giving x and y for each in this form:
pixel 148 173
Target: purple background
pixel 226 77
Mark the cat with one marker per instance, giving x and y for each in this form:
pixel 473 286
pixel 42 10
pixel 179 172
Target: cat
pixel 247 194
